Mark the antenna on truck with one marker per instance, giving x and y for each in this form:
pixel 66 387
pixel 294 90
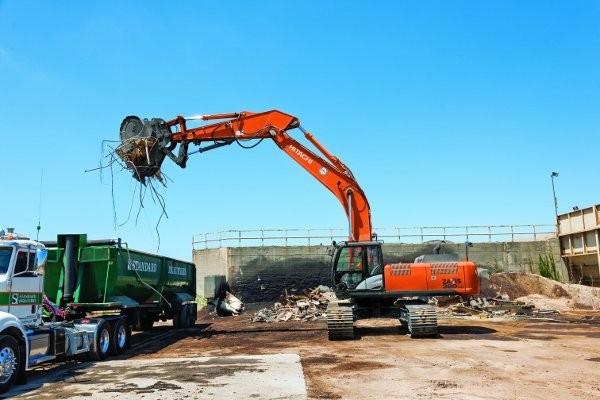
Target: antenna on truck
pixel 38 227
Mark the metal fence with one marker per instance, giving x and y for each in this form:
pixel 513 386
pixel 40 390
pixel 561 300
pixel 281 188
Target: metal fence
pixel 324 236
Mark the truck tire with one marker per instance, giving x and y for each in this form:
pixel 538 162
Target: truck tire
pixel 191 315
pixel 121 335
pixel 179 317
pixel 103 341
pixel 10 361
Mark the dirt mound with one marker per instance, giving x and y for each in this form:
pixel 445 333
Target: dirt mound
pixel 542 292
pixel 515 285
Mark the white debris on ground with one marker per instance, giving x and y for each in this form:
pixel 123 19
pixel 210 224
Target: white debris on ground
pixel 308 307
pixel 487 308
pixel 230 305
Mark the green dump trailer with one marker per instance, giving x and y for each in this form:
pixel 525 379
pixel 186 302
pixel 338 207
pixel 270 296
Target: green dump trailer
pixel 104 278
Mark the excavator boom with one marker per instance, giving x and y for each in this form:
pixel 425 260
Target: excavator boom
pixel 146 143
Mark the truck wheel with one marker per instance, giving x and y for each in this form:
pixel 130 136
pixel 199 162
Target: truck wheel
pixel 191 315
pixel 179 317
pixel 102 342
pixel 121 337
pixel 186 316
pixel 10 360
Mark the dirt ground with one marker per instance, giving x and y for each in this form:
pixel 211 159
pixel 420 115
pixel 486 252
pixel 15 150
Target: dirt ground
pixel 547 356
pixel 496 358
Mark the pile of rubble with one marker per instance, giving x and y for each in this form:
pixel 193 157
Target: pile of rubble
pixel 544 293
pixel 308 307
pixel 502 294
pixel 494 307
pixel 516 294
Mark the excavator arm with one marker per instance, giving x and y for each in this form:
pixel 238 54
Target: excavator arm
pixel 146 143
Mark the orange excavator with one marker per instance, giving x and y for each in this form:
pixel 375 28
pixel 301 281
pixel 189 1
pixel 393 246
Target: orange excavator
pixel 364 285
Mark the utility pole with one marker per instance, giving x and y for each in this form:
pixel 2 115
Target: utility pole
pixel 552 176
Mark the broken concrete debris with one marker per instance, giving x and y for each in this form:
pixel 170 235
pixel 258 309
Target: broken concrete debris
pixel 486 308
pixel 503 295
pixel 308 307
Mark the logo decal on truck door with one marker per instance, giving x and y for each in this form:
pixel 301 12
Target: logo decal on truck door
pixel 20 298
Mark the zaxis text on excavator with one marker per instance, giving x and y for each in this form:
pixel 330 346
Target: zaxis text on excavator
pixel 364 285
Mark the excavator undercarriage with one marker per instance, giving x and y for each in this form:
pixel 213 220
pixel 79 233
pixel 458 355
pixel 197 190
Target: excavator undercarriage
pixel 417 317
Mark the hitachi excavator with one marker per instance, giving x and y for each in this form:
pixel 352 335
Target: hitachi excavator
pixel 364 285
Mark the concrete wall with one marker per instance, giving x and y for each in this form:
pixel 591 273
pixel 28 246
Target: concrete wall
pixel 262 273
pixel 211 267
pixel 496 257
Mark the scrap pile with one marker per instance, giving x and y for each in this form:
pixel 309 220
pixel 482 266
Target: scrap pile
pixel 308 307
pixel 494 307
pixel 517 294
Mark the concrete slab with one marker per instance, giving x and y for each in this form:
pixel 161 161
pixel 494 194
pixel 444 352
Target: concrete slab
pixel 276 376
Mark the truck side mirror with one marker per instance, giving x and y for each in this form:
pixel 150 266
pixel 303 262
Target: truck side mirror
pixel 41 257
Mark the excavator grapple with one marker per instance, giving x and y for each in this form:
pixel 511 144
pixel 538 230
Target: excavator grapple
pixel 141 146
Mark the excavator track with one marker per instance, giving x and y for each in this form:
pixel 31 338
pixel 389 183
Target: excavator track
pixel 340 321
pixel 420 319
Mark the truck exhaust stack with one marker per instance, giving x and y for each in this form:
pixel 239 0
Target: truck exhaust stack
pixel 70 267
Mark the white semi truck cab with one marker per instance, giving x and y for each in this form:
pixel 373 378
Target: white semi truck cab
pixel 25 339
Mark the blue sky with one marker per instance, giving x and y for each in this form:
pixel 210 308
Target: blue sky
pixel 448 113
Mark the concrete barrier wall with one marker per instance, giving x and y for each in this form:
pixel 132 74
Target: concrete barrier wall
pixel 211 268
pixel 259 274
pixel 263 273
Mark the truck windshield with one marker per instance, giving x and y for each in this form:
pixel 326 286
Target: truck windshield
pixel 5 254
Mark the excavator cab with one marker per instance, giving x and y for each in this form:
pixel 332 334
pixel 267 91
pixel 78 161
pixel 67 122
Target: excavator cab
pixel 357 266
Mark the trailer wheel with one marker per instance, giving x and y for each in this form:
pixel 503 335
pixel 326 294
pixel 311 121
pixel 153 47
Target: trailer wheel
pixel 10 360
pixel 102 342
pixel 188 315
pixel 121 337
pixel 191 315
pixel 179 317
